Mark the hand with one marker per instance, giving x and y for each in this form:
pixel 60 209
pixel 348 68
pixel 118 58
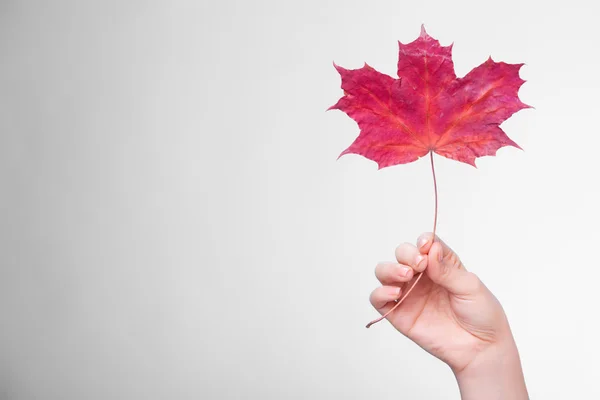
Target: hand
pixel 452 315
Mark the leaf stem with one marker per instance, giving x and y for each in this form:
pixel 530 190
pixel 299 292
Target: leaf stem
pixel 436 194
pixel 421 273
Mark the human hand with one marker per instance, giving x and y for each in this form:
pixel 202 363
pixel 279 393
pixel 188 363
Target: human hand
pixel 451 314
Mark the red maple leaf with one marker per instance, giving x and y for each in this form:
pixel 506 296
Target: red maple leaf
pixel 428 109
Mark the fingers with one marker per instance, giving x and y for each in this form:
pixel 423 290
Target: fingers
pixel 408 254
pixel 425 240
pixel 445 269
pixel 384 297
pixel 393 273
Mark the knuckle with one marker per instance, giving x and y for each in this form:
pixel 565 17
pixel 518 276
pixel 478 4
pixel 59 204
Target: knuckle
pixel 453 261
pixel 402 249
pixel 373 297
pixel 474 283
pixel 382 272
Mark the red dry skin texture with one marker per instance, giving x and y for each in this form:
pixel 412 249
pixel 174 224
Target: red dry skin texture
pixel 428 109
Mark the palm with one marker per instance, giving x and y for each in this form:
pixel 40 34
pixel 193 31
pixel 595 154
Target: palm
pixel 450 327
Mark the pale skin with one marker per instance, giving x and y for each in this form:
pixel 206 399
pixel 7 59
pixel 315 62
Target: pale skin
pixel 452 315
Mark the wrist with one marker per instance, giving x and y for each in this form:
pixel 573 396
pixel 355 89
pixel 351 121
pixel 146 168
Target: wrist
pixel 494 374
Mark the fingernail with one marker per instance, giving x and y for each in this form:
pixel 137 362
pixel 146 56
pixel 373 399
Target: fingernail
pixel 404 271
pixel 418 261
pixel 423 242
pixel 396 292
pixel 440 256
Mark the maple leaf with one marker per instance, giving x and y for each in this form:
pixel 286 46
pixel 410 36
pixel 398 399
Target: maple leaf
pixel 428 109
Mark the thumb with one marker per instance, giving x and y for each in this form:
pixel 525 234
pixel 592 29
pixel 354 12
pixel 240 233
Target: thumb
pixel 445 268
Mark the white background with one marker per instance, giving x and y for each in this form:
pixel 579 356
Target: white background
pixel 174 223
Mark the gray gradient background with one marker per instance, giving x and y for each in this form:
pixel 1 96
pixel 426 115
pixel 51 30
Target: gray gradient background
pixel 174 223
